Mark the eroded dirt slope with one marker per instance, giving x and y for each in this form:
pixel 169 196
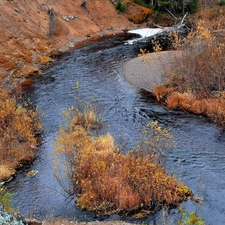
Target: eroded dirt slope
pixel 32 30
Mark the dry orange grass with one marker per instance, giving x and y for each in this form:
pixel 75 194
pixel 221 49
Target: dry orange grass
pixel 213 107
pixel 2 59
pixel 199 106
pixel 45 60
pixel 9 64
pixel 215 14
pixel 174 101
pixel 161 92
pixel 26 84
pixel 22 53
pixel 19 125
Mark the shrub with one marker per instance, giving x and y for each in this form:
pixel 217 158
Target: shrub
pixel 193 6
pixel 19 127
pixel 121 6
pixel 202 68
pixel 105 180
pixel 197 76
pixel 222 2
pixel 189 219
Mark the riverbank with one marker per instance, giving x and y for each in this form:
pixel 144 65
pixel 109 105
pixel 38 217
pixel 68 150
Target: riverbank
pixel 34 33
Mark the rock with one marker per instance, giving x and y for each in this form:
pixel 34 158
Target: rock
pixel 68 18
pixel 15 219
pixel 10 219
pixel 32 173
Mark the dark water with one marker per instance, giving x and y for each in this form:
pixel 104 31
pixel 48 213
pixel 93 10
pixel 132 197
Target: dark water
pixel 198 160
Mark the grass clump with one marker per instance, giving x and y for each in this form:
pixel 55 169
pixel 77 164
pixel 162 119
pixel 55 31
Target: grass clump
pixel 19 127
pixel 107 181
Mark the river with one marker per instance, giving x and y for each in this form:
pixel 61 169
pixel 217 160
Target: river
pixel 198 160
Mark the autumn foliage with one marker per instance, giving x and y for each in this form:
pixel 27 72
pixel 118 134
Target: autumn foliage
pixel 19 127
pixel 107 181
pixel 197 78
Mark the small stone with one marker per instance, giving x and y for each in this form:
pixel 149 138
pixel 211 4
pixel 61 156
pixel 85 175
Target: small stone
pixel 32 173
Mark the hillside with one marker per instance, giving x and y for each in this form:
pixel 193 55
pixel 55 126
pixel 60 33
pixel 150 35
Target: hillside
pixel 33 30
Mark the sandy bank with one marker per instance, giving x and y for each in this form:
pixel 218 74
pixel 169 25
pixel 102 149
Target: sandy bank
pixel 146 72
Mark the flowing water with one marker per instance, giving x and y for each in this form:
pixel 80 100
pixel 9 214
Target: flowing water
pixel 198 159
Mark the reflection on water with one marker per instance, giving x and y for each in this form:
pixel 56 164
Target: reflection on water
pixel 198 160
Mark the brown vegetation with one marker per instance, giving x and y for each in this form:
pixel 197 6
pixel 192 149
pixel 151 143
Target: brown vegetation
pixel 19 127
pixel 196 82
pixel 107 181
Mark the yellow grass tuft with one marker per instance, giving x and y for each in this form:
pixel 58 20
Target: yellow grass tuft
pixel 45 60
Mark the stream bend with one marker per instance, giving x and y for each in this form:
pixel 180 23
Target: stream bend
pixel 198 160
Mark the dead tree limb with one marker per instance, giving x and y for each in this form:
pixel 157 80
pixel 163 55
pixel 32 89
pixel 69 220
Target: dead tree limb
pixel 175 18
pixel 50 12
pixel 182 20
